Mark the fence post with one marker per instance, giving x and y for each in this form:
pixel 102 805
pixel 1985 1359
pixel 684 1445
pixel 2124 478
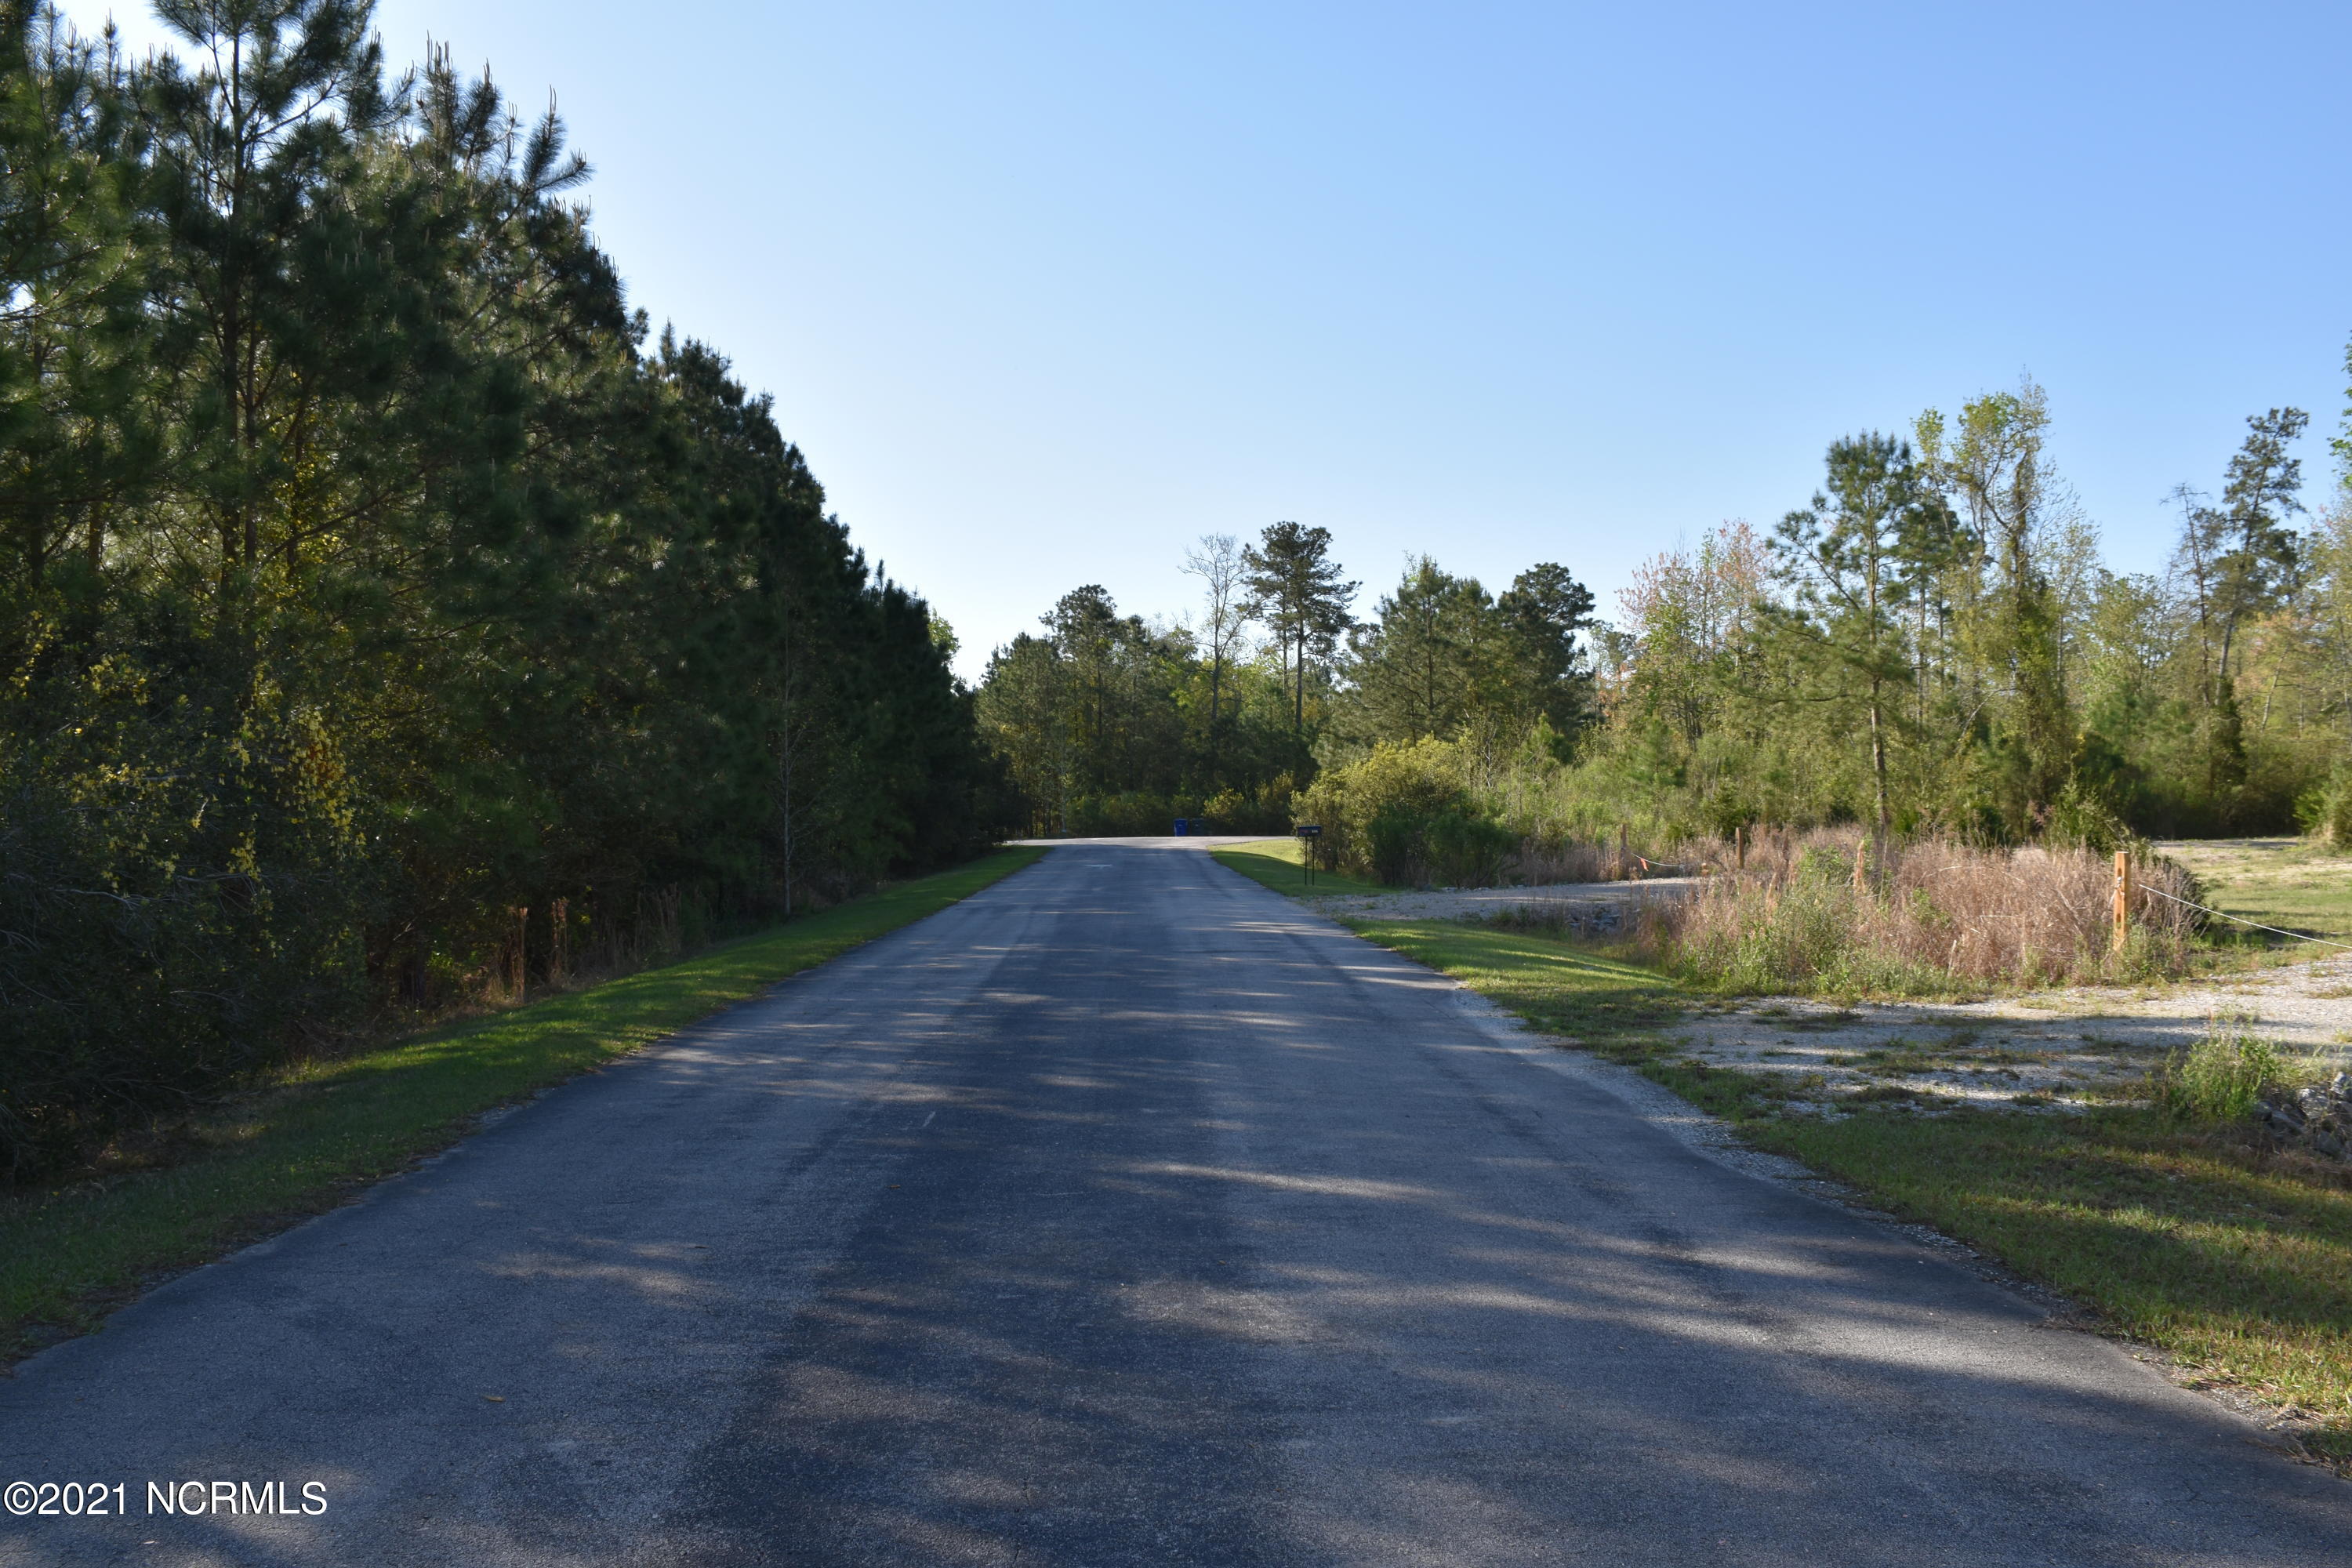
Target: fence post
pixel 2123 898
pixel 1861 864
pixel 1624 864
pixel 1740 846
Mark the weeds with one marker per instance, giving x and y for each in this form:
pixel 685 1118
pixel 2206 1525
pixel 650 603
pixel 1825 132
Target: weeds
pixel 1829 913
pixel 2219 1078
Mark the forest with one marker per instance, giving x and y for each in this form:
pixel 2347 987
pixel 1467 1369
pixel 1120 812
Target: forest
pixel 1929 645
pixel 390 619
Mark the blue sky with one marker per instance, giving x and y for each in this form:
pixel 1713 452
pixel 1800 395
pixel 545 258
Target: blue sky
pixel 1046 292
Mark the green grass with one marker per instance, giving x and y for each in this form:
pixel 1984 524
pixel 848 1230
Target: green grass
pixel 305 1142
pixel 1560 987
pixel 2197 1239
pixel 2291 883
pixel 1276 864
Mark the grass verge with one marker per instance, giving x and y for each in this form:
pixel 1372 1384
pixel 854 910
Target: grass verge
pixel 1276 864
pixel 2294 884
pixel 2204 1240
pixel 1560 987
pixel 304 1142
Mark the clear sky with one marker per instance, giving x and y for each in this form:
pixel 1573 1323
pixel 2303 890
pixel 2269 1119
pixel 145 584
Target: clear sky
pixel 1046 292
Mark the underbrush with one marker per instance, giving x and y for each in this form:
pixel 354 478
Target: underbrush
pixel 1405 815
pixel 308 1137
pixel 2219 1079
pixel 1830 913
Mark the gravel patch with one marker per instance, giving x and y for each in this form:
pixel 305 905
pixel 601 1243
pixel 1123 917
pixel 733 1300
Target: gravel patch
pixel 2064 1049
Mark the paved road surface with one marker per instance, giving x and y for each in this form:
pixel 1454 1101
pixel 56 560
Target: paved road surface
pixel 1124 1215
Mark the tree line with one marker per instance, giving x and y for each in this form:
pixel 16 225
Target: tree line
pixel 1930 644
pixel 385 611
pixel 1116 724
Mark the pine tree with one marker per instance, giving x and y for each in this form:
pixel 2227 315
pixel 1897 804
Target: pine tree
pixel 1296 589
pixel 1844 554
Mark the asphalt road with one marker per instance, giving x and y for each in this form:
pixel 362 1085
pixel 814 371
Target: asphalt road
pixel 1122 1214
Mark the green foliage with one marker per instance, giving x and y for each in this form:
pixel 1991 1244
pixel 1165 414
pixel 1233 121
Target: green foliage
pixel 1108 724
pixel 2219 1078
pixel 1302 596
pixel 1445 659
pixel 2080 818
pixel 1405 813
pixel 297 1142
pixel 366 576
pixel 1844 556
pixel 1931 645
pixel 1936 633
pixel 1111 725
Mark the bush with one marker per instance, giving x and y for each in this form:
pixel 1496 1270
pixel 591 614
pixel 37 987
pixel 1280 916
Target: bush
pixel 2219 1078
pixel 2333 818
pixel 135 980
pixel 1404 814
pixel 2080 819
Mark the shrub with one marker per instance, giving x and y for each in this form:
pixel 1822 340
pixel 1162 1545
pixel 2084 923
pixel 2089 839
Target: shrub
pixel 1404 814
pixel 133 982
pixel 1927 917
pixel 2219 1078
pixel 2080 819
pixel 2324 810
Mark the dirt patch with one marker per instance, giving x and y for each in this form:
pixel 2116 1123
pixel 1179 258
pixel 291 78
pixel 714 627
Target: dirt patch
pixel 2062 1050
pixel 2058 1049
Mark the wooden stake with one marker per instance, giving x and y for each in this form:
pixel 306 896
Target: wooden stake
pixel 2123 898
pixel 1624 866
pixel 1739 846
pixel 1862 865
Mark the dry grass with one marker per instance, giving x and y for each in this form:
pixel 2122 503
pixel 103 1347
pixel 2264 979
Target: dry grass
pixel 1921 919
pixel 1541 864
pixel 1549 862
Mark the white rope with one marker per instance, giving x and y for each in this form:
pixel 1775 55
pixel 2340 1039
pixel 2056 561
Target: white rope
pixel 2256 924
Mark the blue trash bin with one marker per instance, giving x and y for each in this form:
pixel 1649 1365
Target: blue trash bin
pixel 1179 827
